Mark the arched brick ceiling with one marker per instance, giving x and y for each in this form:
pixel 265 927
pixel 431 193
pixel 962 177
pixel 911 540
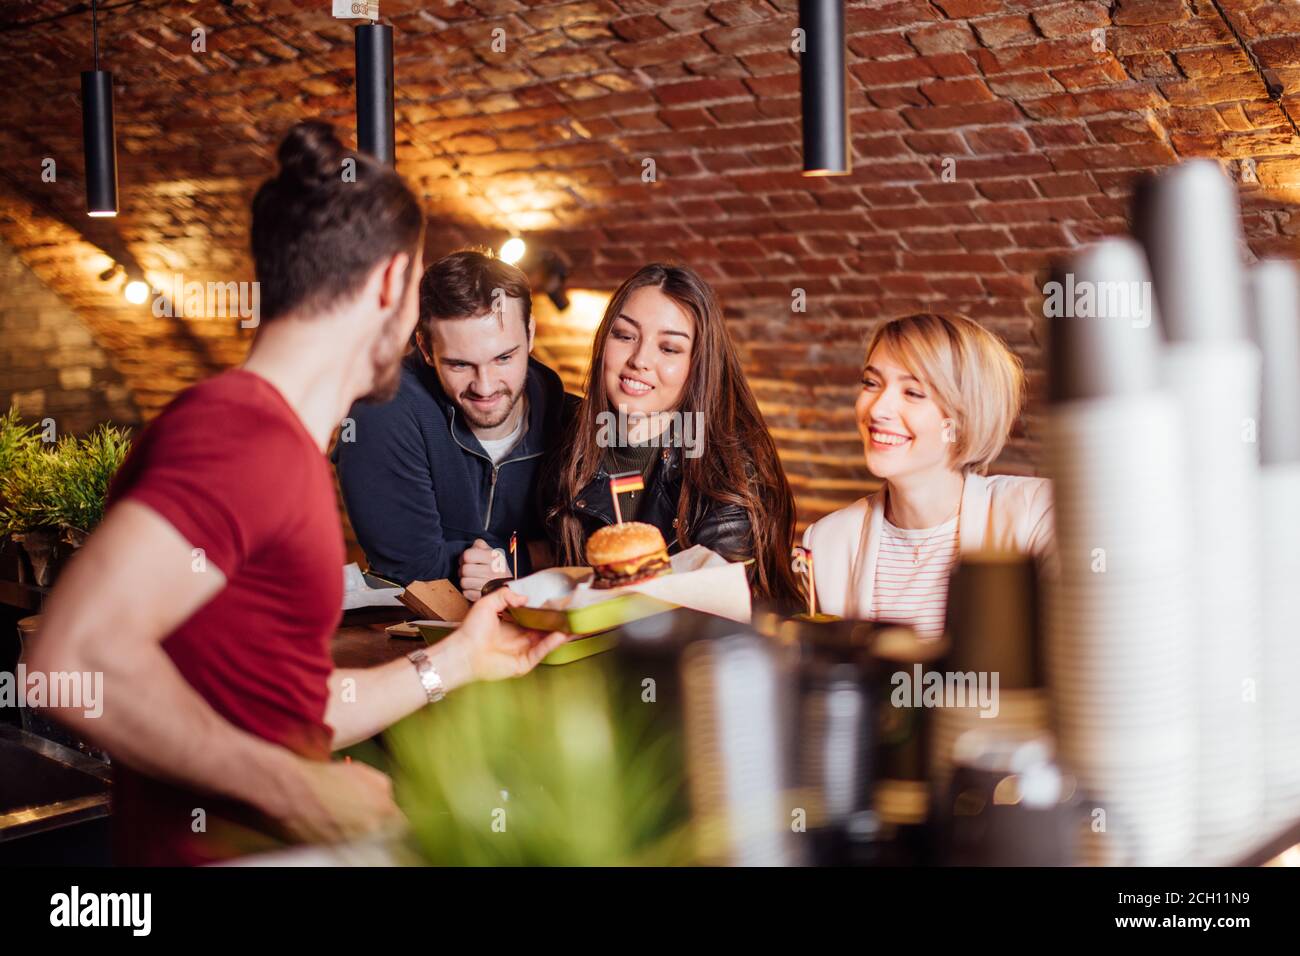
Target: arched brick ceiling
pixel 1047 128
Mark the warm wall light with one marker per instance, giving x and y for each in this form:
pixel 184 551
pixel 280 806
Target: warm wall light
pixel 822 82
pixel 512 250
pixel 136 292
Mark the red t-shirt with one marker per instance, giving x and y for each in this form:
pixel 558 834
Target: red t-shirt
pixel 230 466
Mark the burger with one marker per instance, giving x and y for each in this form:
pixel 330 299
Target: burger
pixel 627 553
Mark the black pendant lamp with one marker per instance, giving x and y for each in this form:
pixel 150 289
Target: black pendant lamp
pixel 97 133
pixel 374 47
pixel 822 79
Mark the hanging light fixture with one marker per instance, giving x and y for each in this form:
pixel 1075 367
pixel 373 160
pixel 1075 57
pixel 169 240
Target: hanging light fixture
pixel 374 49
pixel 822 80
pixel 97 133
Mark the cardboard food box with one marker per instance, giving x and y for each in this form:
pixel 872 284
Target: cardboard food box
pixel 435 600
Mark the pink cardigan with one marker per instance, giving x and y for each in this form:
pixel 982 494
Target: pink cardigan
pixel 998 512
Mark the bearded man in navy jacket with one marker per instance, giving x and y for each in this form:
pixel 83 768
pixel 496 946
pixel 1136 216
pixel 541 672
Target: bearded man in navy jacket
pixel 437 480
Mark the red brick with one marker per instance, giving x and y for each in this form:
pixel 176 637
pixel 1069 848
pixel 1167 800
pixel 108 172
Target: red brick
pixel 953 117
pixel 1213 62
pixel 1049 210
pixel 640 27
pixel 943 38
pixel 939 193
pixel 1091 76
pixel 1001 190
pixel 1141 128
pixel 701 91
pixel 1150 66
pixel 750 38
pixel 958 9
pixel 1110 100
pixel 1024 85
pixel 1207 91
pixel 1071 18
pixel 1066 185
pixel 1046 55
pixel 1005 31
pixel 1143 12
pixel 879 46
pixel 997 140
pixel 957 92
pixel 891 72
pixel 950 65
pixel 962 263
pixel 936 144
pixel 668 49
pixel 892 97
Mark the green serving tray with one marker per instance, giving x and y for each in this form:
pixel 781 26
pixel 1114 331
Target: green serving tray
pixel 594 618
pixel 580 647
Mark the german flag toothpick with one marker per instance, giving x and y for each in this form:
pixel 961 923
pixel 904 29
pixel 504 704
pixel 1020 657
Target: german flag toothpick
pixel 621 484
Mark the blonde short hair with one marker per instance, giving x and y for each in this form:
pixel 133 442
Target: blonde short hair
pixel 976 380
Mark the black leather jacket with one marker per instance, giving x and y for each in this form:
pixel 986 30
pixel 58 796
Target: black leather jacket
pixel 720 527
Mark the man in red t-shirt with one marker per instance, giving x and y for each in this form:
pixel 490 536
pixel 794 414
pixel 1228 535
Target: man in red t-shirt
pixel 208 595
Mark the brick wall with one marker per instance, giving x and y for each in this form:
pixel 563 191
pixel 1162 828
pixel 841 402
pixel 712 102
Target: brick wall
pixel 989 136
pixel 50 365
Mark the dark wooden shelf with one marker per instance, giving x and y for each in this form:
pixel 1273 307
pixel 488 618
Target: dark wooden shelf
pixel 26 597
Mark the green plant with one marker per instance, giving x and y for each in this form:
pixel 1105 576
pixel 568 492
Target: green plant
pixel 61 486
pixel 17 441
pixel 559 769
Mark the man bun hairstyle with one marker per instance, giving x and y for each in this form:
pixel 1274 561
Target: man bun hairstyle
pixel 321 224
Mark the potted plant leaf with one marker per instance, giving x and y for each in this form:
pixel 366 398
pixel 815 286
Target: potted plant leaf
pixel 17 441
pixel 568 767
pixel 52 496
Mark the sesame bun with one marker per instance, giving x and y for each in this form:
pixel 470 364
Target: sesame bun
pixel 627 553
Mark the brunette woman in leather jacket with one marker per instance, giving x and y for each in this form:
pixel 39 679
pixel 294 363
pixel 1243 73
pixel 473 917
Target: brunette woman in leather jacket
pixel 666 397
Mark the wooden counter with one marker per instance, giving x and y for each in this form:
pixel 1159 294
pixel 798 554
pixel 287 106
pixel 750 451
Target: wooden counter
pixel 367 646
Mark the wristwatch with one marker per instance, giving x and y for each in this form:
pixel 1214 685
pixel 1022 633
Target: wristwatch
pixel 430 679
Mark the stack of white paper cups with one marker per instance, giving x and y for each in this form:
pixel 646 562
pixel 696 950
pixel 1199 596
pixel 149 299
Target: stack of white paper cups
pixel 1190 225
pixel 1120 648
pixel 1276 328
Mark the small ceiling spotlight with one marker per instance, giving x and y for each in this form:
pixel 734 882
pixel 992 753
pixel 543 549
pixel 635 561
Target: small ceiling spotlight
pixel 136 291
pixel 512 250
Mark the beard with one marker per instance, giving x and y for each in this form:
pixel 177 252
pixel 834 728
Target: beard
pixel 490 419
pixel 385 363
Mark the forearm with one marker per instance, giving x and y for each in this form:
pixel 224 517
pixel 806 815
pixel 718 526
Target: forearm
pixel 365 702
pixel 153 721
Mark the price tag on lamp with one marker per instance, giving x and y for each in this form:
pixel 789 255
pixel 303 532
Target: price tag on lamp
pixel 356 9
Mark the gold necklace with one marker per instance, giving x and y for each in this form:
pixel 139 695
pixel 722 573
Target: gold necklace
pixel 916 559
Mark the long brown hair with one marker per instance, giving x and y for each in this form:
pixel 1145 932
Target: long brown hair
pixel 739 465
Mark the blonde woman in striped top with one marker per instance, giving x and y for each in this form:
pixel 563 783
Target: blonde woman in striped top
pixel 939 397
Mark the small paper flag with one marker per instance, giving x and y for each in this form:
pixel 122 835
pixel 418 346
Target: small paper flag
pixel 620 484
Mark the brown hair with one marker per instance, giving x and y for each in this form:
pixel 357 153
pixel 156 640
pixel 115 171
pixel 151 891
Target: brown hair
pixel 463 285
pixel 316 235
pixel 739 465
pixel 977 381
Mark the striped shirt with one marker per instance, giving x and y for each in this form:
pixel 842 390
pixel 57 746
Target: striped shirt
pixel 912 585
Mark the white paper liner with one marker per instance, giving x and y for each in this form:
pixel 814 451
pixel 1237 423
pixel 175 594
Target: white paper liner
pixel 701 579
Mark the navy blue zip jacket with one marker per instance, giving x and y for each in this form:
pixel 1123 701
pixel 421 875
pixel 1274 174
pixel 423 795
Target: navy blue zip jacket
pixel 419 488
